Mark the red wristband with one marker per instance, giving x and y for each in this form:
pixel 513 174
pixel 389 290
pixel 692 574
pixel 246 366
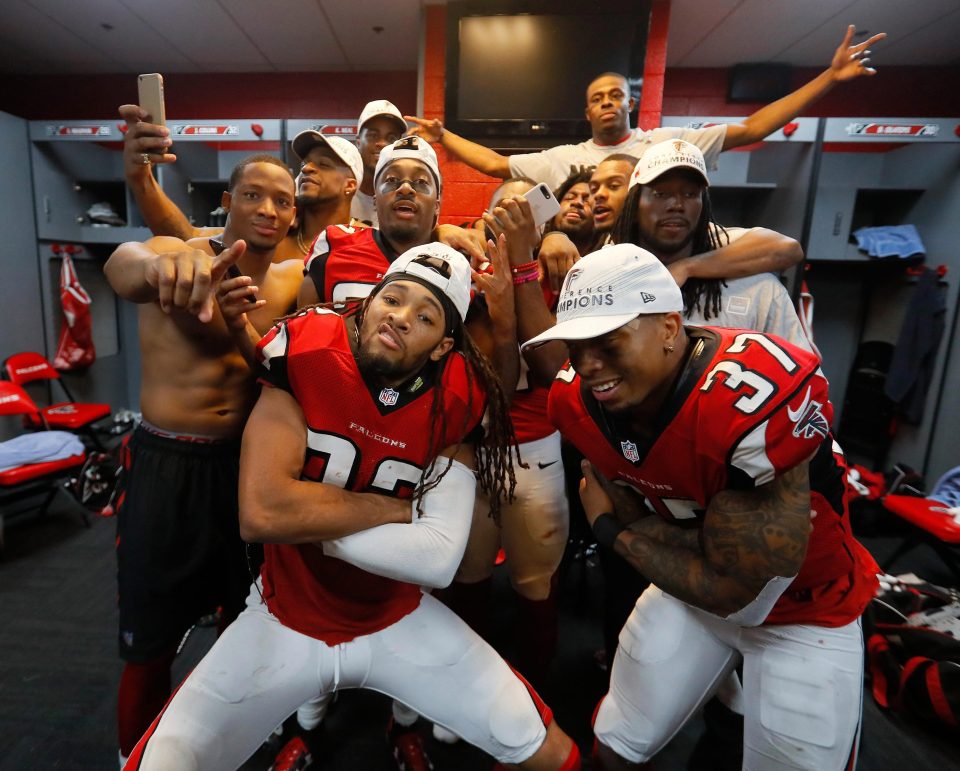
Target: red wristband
pixel 526 267
pixel 523 278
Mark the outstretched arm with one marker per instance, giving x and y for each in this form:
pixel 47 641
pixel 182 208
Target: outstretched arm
pixel 276 505
pixel 758 250
pixel 171 272
pixel 751 542
pixel 146 144
pixel 476 156
pixel 849 62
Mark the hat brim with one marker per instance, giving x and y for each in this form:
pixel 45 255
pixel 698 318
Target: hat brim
pixel 582 328
pixel 392 116
pixel 651 177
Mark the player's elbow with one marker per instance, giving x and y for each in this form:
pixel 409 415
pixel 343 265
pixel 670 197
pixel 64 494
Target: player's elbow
pixel 786 252
pixel 259 518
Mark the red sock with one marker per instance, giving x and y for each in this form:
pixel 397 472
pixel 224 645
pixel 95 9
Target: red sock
pixel 536 636
pixel 144 689
pixel 471 602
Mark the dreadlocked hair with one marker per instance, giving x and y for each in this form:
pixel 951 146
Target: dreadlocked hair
pixel 699 294
pixel 495 471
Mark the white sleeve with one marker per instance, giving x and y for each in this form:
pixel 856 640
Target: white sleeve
pixel 551 166
pixel 427 551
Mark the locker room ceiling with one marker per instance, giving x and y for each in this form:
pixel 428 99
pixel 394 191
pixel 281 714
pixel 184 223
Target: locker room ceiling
pixel 113 36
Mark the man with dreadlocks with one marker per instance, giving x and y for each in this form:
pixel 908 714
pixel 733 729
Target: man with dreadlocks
pixel 668 212
pixel 357 471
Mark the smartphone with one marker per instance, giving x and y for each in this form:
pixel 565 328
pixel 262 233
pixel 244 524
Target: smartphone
pixel 234 272
pixel 543 204
pixel 150 97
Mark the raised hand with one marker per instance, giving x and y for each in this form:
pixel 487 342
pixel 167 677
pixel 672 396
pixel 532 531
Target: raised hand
pixel 143 143
pixel 429 129
pixel 850 61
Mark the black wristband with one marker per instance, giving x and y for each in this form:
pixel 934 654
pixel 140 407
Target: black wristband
pixel 606 528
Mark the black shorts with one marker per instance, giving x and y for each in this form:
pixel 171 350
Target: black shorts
pixel 179 553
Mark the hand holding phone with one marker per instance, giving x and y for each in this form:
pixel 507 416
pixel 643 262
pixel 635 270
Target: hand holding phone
pixel 543 205
pixel 150 97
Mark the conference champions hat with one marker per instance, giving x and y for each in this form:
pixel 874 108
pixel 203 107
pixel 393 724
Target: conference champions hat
pixel 455 285
pixel 608 288
pixel 409 147
pixel 381 107
pixel 346 151
pixel 664 156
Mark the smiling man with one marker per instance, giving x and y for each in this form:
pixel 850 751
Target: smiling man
pixel 179 552
pixel 730 497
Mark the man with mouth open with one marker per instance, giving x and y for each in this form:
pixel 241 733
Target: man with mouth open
pixel 711 469
pixel 179 553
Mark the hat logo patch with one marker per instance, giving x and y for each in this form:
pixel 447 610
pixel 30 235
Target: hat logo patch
pixel 647 297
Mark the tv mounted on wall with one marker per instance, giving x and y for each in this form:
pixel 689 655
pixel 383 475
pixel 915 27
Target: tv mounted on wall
pixel 518 70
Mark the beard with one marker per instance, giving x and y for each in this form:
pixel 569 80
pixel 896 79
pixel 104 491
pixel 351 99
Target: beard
pixel 658 246
pixel 377 368
pixel 581 230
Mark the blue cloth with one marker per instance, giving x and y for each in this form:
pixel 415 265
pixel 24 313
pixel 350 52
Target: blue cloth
pixel 947 488
pixel 890 241
pixel 38 448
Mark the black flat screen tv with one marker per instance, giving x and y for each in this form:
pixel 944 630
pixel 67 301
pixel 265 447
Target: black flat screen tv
pixel 521 69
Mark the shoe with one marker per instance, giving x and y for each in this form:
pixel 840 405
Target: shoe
pixel 443 735
pixel 407 747
pixel 103 214
pixel 312 713
pixel 293 757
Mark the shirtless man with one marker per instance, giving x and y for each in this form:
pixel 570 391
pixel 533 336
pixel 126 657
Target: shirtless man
pixel 331 173
pixel 178 548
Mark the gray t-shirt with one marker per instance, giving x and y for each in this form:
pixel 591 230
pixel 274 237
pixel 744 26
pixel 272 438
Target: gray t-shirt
pixel 757 302
pixel 556 164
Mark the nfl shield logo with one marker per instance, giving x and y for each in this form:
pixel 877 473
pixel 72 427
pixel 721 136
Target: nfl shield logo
pixel 630 451
pixel 388 397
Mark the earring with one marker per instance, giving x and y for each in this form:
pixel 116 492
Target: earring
pixel 668 348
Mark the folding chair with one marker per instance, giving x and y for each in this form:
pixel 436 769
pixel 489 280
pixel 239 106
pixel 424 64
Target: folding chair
pixel 931 523
pixel 71 415
pixel 32 479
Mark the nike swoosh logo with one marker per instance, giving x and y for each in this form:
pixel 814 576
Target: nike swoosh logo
pixel 545 465
pixel 795 415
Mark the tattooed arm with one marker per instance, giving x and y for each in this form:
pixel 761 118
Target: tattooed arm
pixel 747 539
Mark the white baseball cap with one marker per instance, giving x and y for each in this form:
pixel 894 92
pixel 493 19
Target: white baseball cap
pixel 346 151
pixel 608 288
pixel 664 156
pixel 409 147
pixel 381 107
pixel 455 285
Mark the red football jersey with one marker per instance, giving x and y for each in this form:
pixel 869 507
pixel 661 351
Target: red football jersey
pixel 362 439
pixel 345 263
pixel 746 408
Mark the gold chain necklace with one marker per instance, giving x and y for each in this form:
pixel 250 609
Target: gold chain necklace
pixel 303 247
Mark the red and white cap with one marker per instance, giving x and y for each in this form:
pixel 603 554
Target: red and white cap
pixel 409 147
pixel 664 156
pixel 346 151
pixel 453 279
pixel 609 288
pixel 381 107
